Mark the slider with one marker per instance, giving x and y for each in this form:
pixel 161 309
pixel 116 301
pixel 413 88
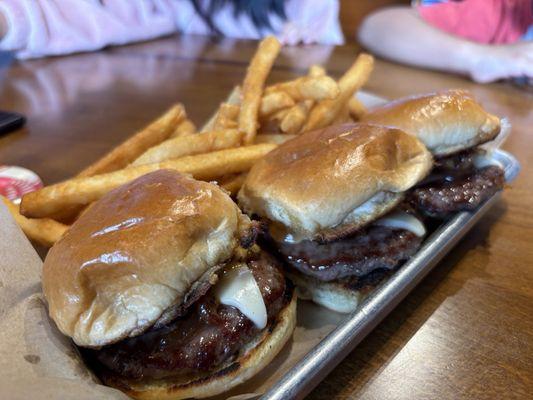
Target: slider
pixel 330 201
pixel 453 126
pixel 162 289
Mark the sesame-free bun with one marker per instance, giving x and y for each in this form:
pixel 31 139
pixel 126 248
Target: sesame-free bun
pixel 337 295
pixel 331 295
pixel 344 175
pixel 133 255
pixel 253 357
pixel 446 122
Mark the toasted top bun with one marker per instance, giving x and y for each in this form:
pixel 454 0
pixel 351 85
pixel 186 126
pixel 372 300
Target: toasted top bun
pixel 135 254
pixel 322 178
pixel 446 122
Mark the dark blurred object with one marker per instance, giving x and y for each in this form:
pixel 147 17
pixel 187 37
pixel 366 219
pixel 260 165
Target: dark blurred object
pixel 258 11
pixel 6 58
pixel 10 121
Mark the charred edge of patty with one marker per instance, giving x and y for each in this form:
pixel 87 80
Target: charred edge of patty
pixel 466 193
pixel 229 366
pixel 375 248
pixel 110 375
pixel 249 238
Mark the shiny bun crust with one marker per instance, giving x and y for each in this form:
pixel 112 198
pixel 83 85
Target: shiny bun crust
pixel 254 358
pixel 446 122
pixel 135 253
pixel 320 179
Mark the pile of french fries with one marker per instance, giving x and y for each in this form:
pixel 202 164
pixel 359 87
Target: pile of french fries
pixel 253 120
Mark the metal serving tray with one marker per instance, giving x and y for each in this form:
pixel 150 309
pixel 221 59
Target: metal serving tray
pixel 318 362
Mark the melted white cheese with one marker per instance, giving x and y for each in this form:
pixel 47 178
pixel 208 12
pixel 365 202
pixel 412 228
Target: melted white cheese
pixel 402 220
pixel 239 289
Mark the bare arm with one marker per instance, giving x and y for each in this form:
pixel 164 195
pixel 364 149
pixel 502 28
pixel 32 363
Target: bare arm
pixel 399 34
pixel 3 26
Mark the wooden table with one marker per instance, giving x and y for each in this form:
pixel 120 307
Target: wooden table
pixel 465 332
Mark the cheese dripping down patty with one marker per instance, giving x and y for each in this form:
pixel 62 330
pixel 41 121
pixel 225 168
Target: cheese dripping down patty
pixel 238 288
pixel 402 220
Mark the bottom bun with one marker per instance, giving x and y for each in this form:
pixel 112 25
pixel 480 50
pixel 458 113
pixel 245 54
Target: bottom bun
pixel 256 356
pixel 337 296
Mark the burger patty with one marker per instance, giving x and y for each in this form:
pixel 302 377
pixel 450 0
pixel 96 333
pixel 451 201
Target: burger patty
pixel 209 335
pixel 451 167
pixel 456 163
pixel 453 194
pixel 376 247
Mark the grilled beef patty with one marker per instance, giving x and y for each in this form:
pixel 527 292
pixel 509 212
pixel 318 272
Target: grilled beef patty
pixel 464 192
pixel 208 336
pixel 372 248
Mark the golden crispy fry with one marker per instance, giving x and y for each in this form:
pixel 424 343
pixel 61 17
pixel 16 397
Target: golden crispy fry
pixel 226 117
pixel 276 138
pixel 279 115
pixel 272 123
pixel 325 112
pixel 190 145
pixel 67 215
pixel 234 98
pixel 230 111
pixel 274 102
pixel 293 121
pixel 184 128
pixel 125 153
pixel 252 89
pixel 316 71
pixel 44 231
pixel 80 191
pixel 224 123
pixel 307 87
pixel 233 183
pixel 356 108
pixel 343 117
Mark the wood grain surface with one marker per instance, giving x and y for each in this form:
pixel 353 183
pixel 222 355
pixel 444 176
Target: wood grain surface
pixel 465 332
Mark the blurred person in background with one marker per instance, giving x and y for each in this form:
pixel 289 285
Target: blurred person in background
pixel 37 28
pixel 487 40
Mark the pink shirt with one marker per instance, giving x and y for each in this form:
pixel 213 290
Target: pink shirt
pixel 483 21
pixel 39 28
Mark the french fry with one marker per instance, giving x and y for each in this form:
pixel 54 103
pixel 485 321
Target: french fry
pixel 273 102
pixel 84 190
pixel 343 117
pixel 44 231
pixel 67 215
pixel 275 138
pixel 184 128
pixel 325 112
pixel 226 117
pixel 356 108
pixel 233 183
pixel 272 123
pixel 294 120
pixel 230 111
pixel 307 87
pixel 190 145
pixel 316 71
pixel 225 123
pixel 234 98
pixel 252 88
pixel 125 153
pixel 279 115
